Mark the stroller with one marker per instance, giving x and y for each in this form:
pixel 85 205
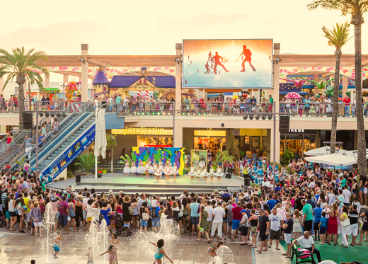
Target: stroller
pixel 118 224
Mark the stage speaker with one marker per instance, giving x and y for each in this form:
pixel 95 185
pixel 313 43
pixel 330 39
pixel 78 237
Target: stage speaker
pixel 228 175
pixel 284 124
pixel 27 120
pixel 77 178
pixel 247 180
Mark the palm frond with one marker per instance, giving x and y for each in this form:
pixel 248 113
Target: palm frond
pixel 338 36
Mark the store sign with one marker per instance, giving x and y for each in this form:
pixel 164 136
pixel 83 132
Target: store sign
pixel 209 133
pixel 60 164
pixel 296 130
pixel 143 131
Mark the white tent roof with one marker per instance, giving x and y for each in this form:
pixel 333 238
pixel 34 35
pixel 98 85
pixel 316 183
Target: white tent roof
pixel 324 151
pixel 100 140
pixel 333 160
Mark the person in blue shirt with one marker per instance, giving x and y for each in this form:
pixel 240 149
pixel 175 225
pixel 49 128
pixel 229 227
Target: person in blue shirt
pixel 317 212
pixel 322 228
pixel 306 105
pixel 247 105
pixel 271 203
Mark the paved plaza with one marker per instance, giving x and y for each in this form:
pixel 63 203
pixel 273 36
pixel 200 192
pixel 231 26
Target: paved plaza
pixel 22 248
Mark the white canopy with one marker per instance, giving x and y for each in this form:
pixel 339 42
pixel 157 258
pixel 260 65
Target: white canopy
pixel 354 154
pixel 100 139
pixel 333 160
pixel 324 151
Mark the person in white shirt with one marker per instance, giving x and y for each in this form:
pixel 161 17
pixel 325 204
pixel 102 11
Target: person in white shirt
pixel 307 242
pixel 218 217
pixel 276 223
pixel 347 195
pixel 209 210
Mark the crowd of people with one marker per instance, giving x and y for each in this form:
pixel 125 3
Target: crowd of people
pixel 311 205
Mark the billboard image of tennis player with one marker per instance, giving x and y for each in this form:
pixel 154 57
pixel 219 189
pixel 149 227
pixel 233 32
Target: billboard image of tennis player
pixel 227 63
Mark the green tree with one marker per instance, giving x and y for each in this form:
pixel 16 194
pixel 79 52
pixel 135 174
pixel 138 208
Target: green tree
pixel 22 65
pixel 111 143
pixel 356 9
pixel 86 161
pixel 223 156
pixel 287 156
pixel 336 37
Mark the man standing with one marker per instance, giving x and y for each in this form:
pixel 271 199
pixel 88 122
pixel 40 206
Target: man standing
pixel 237 217
pixel 306 105
pixel 209 210
pixel 346 101
pixel 307 242
pixel 27 143
pixel 270 101
pixel 263 226
pixel 194 215
pixel 353 228
pixel 276 224
pixel 64 213
pixel 347 195
pixel 288 229
pixel 218 218
pixel 307 217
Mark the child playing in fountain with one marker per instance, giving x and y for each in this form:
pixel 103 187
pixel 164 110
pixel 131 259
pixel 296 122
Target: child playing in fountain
pixel 89 256
pixel 56 244
pixel 160 252
pixel 112 255
pixel 212 249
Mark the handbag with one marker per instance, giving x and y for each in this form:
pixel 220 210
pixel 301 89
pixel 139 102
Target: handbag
pixel 131 210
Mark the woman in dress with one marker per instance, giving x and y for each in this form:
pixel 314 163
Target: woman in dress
pixel 174 172
pixel 204 226
pixel 147 167
pixel 106 212
pixel 9 139
pixel 332 226
pixel 127 217
pixel 192 173
pixel 219 173
pixel 297 227
pixel 157 173
pixel 133 169
pixel 126 168
pixel 167 172
pixel 140 169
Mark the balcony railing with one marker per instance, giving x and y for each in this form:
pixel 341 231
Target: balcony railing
pixel 13 106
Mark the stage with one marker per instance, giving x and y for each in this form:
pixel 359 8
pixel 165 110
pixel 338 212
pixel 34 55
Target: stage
pixel 138 184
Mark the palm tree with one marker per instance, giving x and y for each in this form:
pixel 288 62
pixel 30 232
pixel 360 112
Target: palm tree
pixel 356 9
pixel 21 65
pixel 111 143
pixel 86 161
pixel 337 37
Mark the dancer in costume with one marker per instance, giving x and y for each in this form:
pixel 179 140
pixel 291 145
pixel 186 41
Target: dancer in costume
pixel 202 164
pixel 192 173
pixel 151 168
pixel 140 169
pixel 161 166
pixel 147 167
pixel 174 172
pixel 219 173
pixel 204 174
pixel 157 173
pixel 133 169
pixel 212 172
pixel 198 174
pixel 126 168
pixel 167 172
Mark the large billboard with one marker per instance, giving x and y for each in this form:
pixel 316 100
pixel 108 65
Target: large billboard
pixel 227 63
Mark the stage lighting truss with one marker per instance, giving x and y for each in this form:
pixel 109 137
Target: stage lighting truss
pixel 269 117
pixel 52 114
pixel 41 114
pixel 58 114
pixel 251 116
pixel 263 117
pixel 47 114
pixel 245 117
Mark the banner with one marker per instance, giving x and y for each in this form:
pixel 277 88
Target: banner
pixel 228 64
pixel 61 162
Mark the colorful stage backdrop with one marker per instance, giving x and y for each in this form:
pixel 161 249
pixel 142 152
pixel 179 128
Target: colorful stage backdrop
pixel 227 63
pixel 172 155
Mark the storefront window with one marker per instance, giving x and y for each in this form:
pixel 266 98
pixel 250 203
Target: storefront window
pixel 154 140
pixel 298 146
pixel 212 144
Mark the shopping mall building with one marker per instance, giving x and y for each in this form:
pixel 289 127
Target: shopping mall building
pixel 194 124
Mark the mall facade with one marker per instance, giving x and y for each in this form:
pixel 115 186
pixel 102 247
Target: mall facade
pixel 175 125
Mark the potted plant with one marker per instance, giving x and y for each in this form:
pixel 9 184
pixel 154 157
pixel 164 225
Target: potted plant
pixel 104 170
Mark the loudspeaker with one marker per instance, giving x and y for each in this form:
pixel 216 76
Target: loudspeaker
pixel 27 120
pixel 284 124
pixel 228 176
pixel 77 178
pixel 247 180
pixel 222 124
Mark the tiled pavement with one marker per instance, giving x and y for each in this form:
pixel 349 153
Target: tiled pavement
pixel 22 248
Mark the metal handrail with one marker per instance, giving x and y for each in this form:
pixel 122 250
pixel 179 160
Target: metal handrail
pixel 61 141
pixel 51 133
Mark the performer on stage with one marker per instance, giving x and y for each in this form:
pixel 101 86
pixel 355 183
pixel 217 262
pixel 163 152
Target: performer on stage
pixel 140 169
pixel 174 172
pixel 167 172
pixel 212 171
pixel 198 174
pixel 201 164
pixel 219 173
pixel 157 173
pixel 133 169
pixel 127 168
pixel 161 166
pixel 204 174
pixel 151 168
pixel 147 167
pixel 192 173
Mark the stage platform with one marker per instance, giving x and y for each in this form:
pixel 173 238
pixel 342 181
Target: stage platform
pixel 138 184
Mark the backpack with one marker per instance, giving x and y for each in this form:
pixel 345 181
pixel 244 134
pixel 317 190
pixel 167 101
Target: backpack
pixel 304 253
pixel 131 210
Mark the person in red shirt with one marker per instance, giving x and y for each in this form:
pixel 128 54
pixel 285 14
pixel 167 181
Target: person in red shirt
pixel 346 101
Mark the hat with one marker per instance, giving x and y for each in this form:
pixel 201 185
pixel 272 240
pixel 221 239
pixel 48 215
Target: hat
pixel 242 211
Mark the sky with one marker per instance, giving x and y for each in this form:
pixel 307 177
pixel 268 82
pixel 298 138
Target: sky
pixel 153 27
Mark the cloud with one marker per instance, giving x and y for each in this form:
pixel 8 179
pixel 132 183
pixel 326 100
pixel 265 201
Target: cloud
pixel 200 22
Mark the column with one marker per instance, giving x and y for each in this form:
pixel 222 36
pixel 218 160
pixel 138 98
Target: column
pixel 1 84
pixel 65 78
pixel 316 90
pixel 46 81
pixel 84 79
pixel 345 83
pixel 178 47
pixel 276 90
pixel 178 136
